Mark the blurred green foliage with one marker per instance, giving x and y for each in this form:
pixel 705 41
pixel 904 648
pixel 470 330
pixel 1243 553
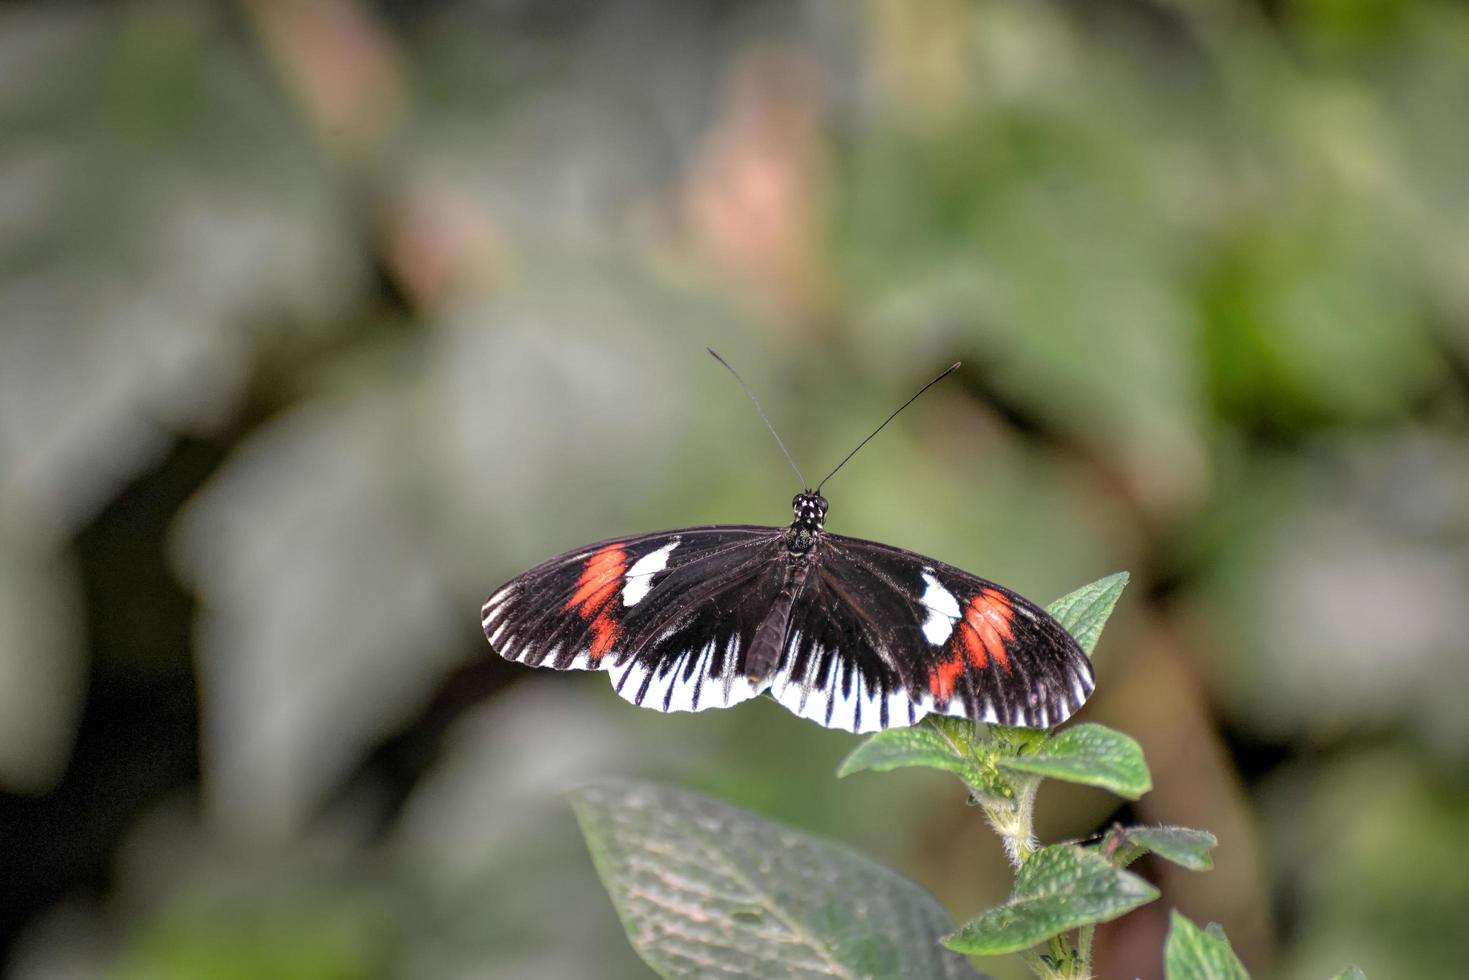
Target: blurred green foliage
pixel 318 321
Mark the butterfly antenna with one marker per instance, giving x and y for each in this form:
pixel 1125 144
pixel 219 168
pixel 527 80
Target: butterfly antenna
pixel 952 368
pixel 763 417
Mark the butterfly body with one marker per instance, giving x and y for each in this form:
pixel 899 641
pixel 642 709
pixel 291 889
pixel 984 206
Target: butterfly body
pixel 849 633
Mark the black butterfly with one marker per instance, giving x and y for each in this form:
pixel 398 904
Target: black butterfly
pixel 849 633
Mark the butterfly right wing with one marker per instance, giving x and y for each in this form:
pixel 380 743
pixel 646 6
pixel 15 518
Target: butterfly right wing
pixel 669 615
pixel 881 637
pixel 961 645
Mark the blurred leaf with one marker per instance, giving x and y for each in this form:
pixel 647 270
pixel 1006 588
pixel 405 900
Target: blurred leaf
pixel 1200 954
pixel 1378 515
pixel 1351 973
pixel 290 938
pixel 1085 611
pixel 131 313
pixel 1302 330
pixel 1386 894
pixel 490 843
pixel 1059 888
pixel 322 613
pixel 1091 754
pixel 1184 847
pixel 41 662
pixel 705 888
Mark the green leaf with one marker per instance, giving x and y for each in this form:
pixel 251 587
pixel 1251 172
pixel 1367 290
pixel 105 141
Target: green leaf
pixel 922 745
pixel 1059 888
pixel 1351 973
pixel 1091 754
pixel 1200 954
pixel 703 888
pixel 1085 611
pixel 1184 847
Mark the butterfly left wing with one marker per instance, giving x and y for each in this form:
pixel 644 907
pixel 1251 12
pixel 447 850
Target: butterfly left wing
pixel 883 636
pixel 668 614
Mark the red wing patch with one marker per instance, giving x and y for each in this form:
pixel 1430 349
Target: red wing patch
pixel 598 583
pixel 986 627
pixel 944 676
pixel 979 638
pixel 604 634
pixel 599 578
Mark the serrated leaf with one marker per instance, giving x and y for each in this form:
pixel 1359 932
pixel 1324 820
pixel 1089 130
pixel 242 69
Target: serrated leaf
pixel 1091 754
pixel 1085 611
pixel 921 745
pixel 1351 973
pixel 1059 888
pixel 1200 954
pixel 704 888
pixel 1181 845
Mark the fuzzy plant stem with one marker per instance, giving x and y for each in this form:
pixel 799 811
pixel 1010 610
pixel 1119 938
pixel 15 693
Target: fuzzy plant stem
pixel 1014 820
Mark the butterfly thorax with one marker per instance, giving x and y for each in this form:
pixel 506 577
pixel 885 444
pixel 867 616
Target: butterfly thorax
pixel 761 658
pixel 810 520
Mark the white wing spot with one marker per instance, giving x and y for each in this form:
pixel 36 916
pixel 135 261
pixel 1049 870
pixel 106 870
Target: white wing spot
pixel 640 576
pixel 943 610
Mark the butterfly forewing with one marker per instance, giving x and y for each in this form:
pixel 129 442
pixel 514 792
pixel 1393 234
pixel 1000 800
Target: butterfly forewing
pixel 668 614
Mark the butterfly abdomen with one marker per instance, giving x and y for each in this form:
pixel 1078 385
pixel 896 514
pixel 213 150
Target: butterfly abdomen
pixel 769 641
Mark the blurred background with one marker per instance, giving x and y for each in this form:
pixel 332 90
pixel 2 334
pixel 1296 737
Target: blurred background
pixel 320 320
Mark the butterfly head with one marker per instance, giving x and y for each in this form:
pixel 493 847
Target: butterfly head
pixel 810 518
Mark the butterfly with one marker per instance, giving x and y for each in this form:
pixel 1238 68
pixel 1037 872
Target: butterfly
pixel 849 633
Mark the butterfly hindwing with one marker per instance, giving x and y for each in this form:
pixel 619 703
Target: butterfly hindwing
pixel 838 669
pixel 667 614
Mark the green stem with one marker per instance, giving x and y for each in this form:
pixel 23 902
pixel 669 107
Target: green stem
pixel 1069 963
pixel 1014 820
pixel 1040 967
pixel 1084 949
